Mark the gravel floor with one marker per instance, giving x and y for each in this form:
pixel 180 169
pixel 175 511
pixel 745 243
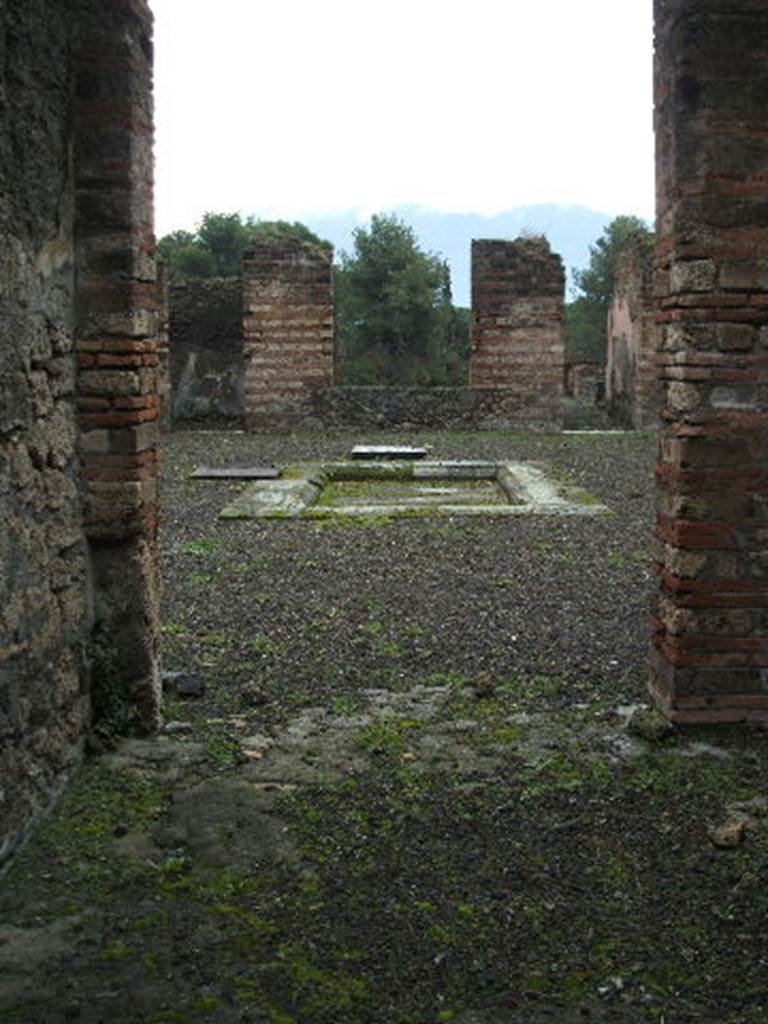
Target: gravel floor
pixel 302 612
pixel 321 838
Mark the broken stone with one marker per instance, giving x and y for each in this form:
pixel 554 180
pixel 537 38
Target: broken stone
pixel 483 685
pixel 253 695
pixel 649 725
pixel 184 684
pixel 730 834
pixel 170 728
pixel 384 451
pixel 237 473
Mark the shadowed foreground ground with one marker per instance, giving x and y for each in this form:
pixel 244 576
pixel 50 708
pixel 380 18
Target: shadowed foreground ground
pixel 408 793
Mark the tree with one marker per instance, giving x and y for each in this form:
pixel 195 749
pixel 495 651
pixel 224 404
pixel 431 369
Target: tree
pixel 215 248
pixel 395 319
pixel 585 317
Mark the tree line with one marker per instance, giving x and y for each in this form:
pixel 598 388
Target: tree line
pixel 395 319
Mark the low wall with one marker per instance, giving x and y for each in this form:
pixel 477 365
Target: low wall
pixel 206 349
pixel 428 407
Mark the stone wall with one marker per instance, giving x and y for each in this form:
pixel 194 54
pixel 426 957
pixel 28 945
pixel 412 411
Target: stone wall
pixel 206 336
pixel 710 652
pixel 44 596
pixel 77 404
pixel 426 407
pixel 288 327
pixel 517 325
pixel 632 387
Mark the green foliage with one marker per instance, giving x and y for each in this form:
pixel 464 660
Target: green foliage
pixel 395 319
pixel 215 248
pixel 585 317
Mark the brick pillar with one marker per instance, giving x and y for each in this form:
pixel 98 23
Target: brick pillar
pixel 710 651
pixel 632 385
pixel 288 330
pixel 117 351
pixel 517 325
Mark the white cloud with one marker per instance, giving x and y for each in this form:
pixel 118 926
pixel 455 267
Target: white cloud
pixel 295 106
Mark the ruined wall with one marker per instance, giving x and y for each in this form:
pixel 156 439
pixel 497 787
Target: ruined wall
pixel 77 454
pixel 206 337
pixel 517 325
pixel 288 328
pixel 44 596
pixel 710 653
pixel 585 381
pixel 632 387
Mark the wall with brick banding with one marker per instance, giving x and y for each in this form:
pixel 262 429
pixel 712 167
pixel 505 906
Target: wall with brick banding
pixel 710 645
pixel 78 404
pixel 288 330
pixel 517 325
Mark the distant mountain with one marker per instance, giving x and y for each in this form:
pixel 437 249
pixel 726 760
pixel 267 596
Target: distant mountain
pixel 570 230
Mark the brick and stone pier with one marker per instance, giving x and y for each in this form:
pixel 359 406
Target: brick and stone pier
pixel 288 330
pixel 517 325
pixel 710 651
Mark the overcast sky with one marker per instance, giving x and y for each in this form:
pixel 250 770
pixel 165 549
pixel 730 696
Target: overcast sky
pixel 288 107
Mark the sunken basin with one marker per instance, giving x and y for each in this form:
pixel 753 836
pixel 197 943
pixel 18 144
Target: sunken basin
pixel 407 488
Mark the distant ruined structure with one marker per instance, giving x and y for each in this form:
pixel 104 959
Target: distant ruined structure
pixel 80 399
pixel 206 363
pixel 517 324
pixel 633 390
pixel 288 330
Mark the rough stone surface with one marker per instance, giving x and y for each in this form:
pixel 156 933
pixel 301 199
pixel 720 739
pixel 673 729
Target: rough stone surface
pixel 206 339
pixel 44 596
pixel 632 386
pixel 517 321
pixel 710 646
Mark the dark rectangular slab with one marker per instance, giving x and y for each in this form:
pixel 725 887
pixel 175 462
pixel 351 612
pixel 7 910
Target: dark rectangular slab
pixel 387 451
pixel 237 473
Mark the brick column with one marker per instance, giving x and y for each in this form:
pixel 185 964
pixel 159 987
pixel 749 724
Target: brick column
pixel 710 651
pixel 517 325
pixel 115 330
pixel 288 330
